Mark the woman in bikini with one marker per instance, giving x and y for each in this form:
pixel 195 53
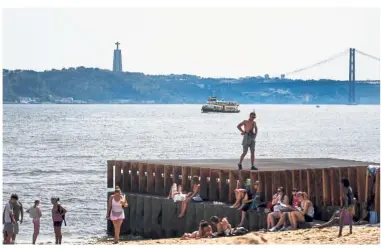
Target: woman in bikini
pixel 35 213
pixel 115 211
pixel 58 215
pixel 194 196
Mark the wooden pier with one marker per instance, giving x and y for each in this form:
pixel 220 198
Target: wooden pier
pixel 320 178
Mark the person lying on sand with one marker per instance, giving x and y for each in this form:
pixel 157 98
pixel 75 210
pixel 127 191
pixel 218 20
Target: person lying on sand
pixel 222 225
pixel 204 231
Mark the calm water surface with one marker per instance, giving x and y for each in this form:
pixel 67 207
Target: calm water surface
pixel 61 150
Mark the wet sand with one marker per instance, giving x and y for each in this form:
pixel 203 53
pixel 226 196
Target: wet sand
pixel 361 235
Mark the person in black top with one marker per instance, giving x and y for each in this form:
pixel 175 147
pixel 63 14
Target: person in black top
pixel 348 205
pixel 246 202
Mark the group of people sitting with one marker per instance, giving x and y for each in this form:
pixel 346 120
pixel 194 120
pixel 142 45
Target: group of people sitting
pixel 283 213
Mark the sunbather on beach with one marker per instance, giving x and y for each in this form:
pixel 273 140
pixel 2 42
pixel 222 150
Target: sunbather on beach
pixel 204 231
pixel 222 225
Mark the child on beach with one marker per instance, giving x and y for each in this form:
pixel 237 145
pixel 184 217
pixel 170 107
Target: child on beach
pixel 35 213
pixel 348 205
pixel 58 216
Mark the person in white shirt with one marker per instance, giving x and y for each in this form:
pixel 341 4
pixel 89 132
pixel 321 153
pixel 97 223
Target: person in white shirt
pixel 9 219
pixel 35 213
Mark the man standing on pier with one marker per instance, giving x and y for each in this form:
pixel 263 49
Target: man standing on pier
pixel 249 134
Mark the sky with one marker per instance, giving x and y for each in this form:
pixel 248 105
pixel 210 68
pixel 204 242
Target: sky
pixel 209 42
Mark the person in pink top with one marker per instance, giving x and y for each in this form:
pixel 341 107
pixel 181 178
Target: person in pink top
pixel 115 211
pixel 35 213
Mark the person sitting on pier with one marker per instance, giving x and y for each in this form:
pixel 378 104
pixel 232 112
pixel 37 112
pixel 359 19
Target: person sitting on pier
pixel 239 192
pixel 303 214
pixel 279 199
pixel 194 196
pixel 176 193
pixel 222 225
pixel 204 231
pixel 246 202
pixel 115 211
pixel 348 205
pixel 285 211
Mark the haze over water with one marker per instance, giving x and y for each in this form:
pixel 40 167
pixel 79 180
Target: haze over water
pixel 61 150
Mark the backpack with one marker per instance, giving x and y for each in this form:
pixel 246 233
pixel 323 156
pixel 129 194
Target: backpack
pixel 60 210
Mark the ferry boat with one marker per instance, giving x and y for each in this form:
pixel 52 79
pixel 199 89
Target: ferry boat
pixel 214 105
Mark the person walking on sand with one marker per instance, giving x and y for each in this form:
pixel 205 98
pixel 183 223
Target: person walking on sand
pixel 35 213
pixel 18 212
pixel 348 205
pixel 249 135
pixel 58 216
pixel 115 211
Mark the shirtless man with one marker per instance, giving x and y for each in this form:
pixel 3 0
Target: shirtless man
pixel 222 225
pixel 249 134
pixel 18 212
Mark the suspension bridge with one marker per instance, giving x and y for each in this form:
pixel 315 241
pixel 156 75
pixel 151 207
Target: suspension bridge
pixel 352 53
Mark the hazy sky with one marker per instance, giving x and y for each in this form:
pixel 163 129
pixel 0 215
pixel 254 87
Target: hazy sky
pixel 205 42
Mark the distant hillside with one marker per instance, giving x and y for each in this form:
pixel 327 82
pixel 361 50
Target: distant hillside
pixel 94 85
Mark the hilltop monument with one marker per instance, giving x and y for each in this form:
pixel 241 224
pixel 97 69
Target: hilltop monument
pixel 117 62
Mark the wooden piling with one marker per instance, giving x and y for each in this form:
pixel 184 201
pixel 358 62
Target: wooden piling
pixel 150 179
pixel 233 178
pixel 288 185
pixel 361 177
pixel 168 180
pixel 326 187
pixel 377 194
pixel 204 183
pixel 268 185
pixel 134 177
pixel 352 179
pixel 303 180
pixel 159 180
pixel 110 173
pixel 213 185
pixel 118 174
pixel 335 186
pixel 142 178
pixel 126 187
pixel 186 178
pixel 177 174
pixel 318 183
pixel 296 179
pixel 253 175
pixel 223 187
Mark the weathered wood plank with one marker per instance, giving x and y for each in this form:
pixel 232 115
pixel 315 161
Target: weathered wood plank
pixel 204 183
pixel 147 217
pixel 335 186
pixel 213 186
pixel 326 187
pixel 377 194
pixel 343 173
pixel 262 183
pixel 118 174
pixel 177 170
pixel 253 175
pixel 159 180
pixel 142 178
pixel 275 177
pixel 296 179
pixel 223 186
pixel 186 178
pixel 288 182
pixel 303 180
pixel 134 177
pixel 126 176
pixel 361 186
pixel 311 185
pixel 168 180
pixel 233 178
pixel 268 185
pixel 150 179
pixel 352 177
pixel 318 185
pixel 110 173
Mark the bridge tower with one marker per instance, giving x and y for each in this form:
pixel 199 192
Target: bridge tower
pixel 351 83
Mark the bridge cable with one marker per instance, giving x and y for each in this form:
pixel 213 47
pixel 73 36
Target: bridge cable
pixel 368 55
pixel 319 63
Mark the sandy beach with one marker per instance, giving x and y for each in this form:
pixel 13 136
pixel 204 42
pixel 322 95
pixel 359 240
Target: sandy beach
pixel 361 235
